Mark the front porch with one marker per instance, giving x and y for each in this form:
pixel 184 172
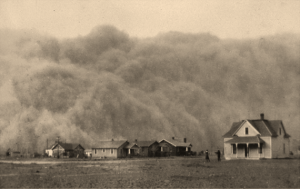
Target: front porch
pixel 246 148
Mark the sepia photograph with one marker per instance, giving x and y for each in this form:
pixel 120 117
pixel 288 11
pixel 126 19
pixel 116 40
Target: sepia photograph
pixel 149 94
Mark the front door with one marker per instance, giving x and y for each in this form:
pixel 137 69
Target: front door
pixel 245 151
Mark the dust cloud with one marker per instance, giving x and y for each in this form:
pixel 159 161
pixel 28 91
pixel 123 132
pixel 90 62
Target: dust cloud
pixel 109 85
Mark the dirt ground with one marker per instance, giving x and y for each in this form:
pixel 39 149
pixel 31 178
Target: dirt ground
pixel 158 173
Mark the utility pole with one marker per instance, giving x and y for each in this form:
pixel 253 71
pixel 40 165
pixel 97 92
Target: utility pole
pixel 58 147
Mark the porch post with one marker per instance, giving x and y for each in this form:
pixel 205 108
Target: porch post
pixel 236 150
pixel 129 151
pixel 247 150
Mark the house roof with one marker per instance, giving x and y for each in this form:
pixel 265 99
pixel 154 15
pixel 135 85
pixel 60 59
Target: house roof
pixel 110 144
pixel 140 144
pixel 177 143
pixel 254 139
pixel 264 127
pixel 145 143
pixel 67 146
pixel 131 145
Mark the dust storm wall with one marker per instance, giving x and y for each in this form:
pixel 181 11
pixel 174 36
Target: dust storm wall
pixel 109 85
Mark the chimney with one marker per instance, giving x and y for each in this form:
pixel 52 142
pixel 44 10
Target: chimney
pixel 135 140
pixel 262 116
pixel 184 140
pixel 172 138
pixel 112 139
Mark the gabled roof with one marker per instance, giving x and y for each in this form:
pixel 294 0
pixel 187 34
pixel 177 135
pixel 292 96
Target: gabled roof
pixel 67 146
pixel 131 145
pixel 177 143
pixel 263 126
pixel 110 144
pixel 243 122
pixel 140 144
pixel 234 127
pixel 254 139
pixel 145 143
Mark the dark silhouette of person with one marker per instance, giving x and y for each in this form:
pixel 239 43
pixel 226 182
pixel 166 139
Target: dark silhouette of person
pixel 206 156
pixel 219 155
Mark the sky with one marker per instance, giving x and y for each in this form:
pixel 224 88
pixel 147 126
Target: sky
pixel 140 18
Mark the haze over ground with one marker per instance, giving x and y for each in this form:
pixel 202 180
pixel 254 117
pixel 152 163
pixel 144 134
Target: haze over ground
pixel 108 83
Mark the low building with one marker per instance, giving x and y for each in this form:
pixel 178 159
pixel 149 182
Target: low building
pixel 174 147
pixel 255 139
pixel 67 150
pixel 142 148
pixel 148 148
pixel 109 149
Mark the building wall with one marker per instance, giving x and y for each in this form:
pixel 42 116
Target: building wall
pixel 280 147
pixel 227 149
pixel 117 152
pixel 180 151
pixel 104 153
pixel 121 150
pixel 55 150
pixel 167 149
pixel 153 150
pixel 251 130
pixel 144 151
pixel 267 153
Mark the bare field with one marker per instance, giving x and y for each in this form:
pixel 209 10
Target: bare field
pixel 158 173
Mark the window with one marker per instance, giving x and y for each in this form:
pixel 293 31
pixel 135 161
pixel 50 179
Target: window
pixel 112 151
pixel 234 149
pixel 283 148
pixel 246 130
pixel 279 131
pixel 103 150
pixel 95 151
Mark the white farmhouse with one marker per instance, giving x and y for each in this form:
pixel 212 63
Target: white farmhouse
pixel 255 139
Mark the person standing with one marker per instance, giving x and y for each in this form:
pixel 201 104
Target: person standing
pixel 206 156
pixel 219 155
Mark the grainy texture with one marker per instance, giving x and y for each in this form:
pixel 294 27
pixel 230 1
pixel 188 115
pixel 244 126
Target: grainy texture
pixel 158 173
